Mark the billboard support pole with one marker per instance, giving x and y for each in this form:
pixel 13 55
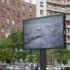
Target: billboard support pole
pixel 43 59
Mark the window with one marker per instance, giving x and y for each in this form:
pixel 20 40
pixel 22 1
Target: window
pixel 2 1
pixel 23 7
pixel 18 23
pixel 67 16
pixel 58 8
pixel 68 31
pixel 8 21
pixel 54 0
pixel 63 1
pixel 22 0
pixel 13 12
pixel 18 5
pixel 30 15
pixel 3 18
pixel 48 13
pixel 67 0
pixel 49 5
pixel 3 10
pixel 23 17
pixel 63 8
pixel 30 9
pixel 13 22
pixel 18 14
pixel 13 3
pixel 8 11
pixel 55 7
pixel 57 0
pixel 41 12
pixel 2 29
pixel 8 29
pixel 8 2
pixel 30 1
pixel 68 46
pixel 67 8
pixel 41 4
pixel 7 34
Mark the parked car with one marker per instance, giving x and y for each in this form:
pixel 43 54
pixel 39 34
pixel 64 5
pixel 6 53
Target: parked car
pixel 2 66
pixel 57 69
pixel 14 67
pixel 17 67
pixel 65 67
pixel 27 68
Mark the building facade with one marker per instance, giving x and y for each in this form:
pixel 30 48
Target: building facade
pixel 40 8
pixel 30 1
pixel 12 13
pixel 55 7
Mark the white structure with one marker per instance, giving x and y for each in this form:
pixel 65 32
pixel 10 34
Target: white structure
pixel 40 8
pixel 31 1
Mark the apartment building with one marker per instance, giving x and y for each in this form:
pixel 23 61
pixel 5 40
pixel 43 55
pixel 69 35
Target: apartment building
pixel 12 13
pixel 55 7
pixel 40 8
pixel 31 1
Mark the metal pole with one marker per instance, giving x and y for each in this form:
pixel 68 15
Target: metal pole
pixel 53 59
pixel 43 59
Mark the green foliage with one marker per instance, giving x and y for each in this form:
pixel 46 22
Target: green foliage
pixel 31 56
pixel 61 55
pixel 11 49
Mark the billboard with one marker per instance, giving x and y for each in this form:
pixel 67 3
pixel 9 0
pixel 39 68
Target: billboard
pixel 45 32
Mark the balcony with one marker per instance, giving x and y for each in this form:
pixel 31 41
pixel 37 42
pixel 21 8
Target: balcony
pixel 68 34
pixel 56 2
pixel 68 19
pixel 58 10
pixel 67 26
pixel 67 41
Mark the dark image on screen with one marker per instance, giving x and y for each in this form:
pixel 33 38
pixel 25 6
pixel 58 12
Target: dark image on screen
pixel 45 32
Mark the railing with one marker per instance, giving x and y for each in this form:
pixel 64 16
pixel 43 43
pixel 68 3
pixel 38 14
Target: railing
pixel 58 10
pixel 67 26
pixel 68 34
pixel 68 19
pixel 56 2
pixel 68 41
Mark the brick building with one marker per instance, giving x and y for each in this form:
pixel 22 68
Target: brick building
pixel 12 13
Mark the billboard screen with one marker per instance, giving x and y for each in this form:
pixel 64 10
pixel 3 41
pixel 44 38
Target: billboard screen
pixel 45 32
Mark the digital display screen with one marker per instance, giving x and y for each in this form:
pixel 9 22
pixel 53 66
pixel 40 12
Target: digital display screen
pixel 44 33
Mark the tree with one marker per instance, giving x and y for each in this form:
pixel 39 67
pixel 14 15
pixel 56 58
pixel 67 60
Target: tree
pixel 5 50
pixel 31 56
pixel 61 55
pixel 11 49
pixel 17 43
